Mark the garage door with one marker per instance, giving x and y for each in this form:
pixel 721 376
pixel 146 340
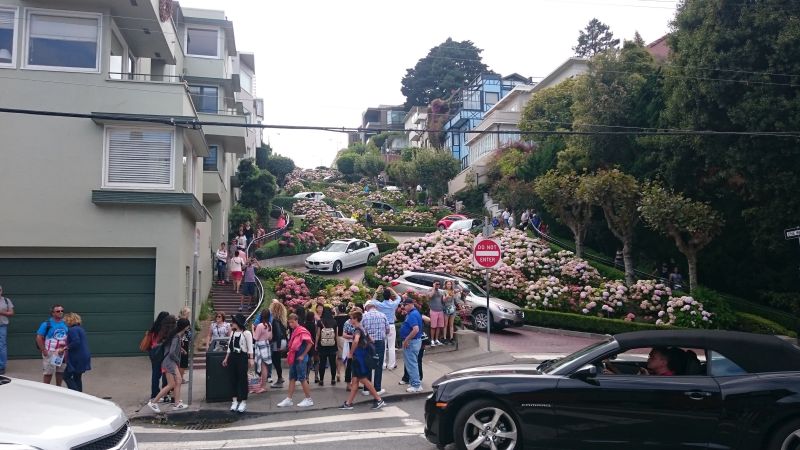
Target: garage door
pixel 115 298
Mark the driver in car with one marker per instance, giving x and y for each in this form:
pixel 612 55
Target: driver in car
pixel 662 361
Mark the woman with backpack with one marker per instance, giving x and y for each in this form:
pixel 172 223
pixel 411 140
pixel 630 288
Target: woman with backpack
pixel 263 353
pixel 279 339
pixel 359 353
pixel 171 348
pixel 325 344
pixel 149 343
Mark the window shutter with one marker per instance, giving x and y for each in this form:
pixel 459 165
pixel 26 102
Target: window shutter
pixel 140 157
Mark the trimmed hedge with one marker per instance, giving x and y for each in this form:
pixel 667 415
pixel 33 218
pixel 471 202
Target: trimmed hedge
pixel 285 202
pixel 578 322
pixel 778 317
pixel 371 279
pixel 406 229
pixel 386 247
pixel 756 324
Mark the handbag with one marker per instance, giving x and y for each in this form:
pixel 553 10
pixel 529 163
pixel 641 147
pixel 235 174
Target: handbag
pixel 146 342
pixel 450 309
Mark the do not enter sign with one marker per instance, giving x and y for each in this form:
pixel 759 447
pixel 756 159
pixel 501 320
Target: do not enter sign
pixel 486 253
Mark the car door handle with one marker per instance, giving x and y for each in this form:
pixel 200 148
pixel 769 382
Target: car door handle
pixel 697 395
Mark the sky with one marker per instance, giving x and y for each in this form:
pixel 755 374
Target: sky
pixel 322 63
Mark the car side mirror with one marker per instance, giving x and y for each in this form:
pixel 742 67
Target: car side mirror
pixel 349 250
pixel 585 373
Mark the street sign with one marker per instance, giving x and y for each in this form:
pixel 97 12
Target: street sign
pixel 792 233
pixel 486 253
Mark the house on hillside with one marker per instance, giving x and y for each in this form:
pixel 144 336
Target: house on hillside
pixel 109 211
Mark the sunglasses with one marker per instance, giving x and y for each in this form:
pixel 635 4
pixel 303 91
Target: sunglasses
pixel 58 310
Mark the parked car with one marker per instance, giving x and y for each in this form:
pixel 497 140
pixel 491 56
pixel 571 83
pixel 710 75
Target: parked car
pixel 380 206
pixel 445 222
pixel 40 416
pixel 466 224
pixel 338 215
pixel 503 313
pixel 341 254
pixel 730 390
pixel 317 196
pixel 392 188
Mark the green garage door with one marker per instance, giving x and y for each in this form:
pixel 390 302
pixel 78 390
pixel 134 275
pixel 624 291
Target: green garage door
pixel 115 298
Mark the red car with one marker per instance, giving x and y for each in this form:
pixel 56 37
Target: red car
pixel 444 222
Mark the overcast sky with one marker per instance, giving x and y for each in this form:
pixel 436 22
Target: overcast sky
pixel 322 63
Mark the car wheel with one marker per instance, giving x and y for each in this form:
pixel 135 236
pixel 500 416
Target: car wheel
pixel 370 258
pixel 481 319
pixel 337 267
pixel 787 437
pixel 486 424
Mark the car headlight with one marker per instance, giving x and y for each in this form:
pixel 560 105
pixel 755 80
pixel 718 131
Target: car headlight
pixel 505 310
pixel 325 262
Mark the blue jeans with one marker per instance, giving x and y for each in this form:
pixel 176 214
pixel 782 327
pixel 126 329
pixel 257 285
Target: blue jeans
pixel 410 356
pixel 221 270
pixel 3 347
pixel 377 374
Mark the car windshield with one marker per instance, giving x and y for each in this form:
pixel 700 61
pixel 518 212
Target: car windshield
pixel 473 288
pixel 335 247
pixel 553 364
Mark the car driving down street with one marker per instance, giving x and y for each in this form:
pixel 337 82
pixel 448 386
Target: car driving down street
pixel 341 254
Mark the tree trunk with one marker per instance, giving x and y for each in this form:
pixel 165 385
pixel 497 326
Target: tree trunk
pixel 691 260
pixel 627 258
pixel 580 236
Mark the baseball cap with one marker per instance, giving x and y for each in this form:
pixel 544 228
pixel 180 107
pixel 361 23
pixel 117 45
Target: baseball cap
pixel 408 301
pixel 371 303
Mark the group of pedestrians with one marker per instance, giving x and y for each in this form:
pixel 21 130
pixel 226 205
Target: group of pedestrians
pixel 168 343
pixel 528 219
pixel 62 342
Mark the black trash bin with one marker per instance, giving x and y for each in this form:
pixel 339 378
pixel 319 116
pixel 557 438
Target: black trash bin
pixel 218 378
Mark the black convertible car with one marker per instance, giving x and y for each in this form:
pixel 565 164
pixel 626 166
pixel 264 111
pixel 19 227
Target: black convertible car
pixel 644 390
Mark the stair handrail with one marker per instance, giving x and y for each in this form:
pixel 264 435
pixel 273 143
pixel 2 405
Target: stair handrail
pixel 272 235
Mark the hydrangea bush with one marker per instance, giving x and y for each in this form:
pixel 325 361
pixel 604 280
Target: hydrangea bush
pixel 289 288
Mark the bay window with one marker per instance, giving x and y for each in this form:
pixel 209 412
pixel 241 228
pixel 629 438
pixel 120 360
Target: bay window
pixel 62 41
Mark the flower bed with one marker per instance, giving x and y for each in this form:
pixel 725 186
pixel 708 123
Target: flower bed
pixel 408 217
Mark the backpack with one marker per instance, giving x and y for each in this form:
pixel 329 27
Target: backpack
pixel 372 359
pixel 327 337
pixel 46 330
pixel 157 353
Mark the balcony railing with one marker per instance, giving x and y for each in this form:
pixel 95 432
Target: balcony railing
pixel 149 77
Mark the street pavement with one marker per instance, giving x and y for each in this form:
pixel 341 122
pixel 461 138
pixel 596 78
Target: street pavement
pixel 537 344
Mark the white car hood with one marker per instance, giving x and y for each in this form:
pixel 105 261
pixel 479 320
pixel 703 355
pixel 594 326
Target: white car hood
pixel 51 417
pixel 324 256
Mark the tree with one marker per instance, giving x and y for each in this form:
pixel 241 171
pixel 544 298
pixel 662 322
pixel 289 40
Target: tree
pixel 370 165
pixel 691 224
pixel 257 187
pixel 595 38
pixel 404 173
pixel 447 67
pixel 559 195
pixel 617 194
pixel 434 169
pixel 346 163
pixel 280 166
pixel 262 153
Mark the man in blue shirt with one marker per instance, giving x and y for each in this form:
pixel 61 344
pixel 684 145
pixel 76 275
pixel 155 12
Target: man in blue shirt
pixel 391 300
pixel 411 334
pixel 51 338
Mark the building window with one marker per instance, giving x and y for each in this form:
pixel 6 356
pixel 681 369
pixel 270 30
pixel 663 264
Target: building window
pixel 492 98
pixel 204 98
pixel 210 161
pixel 246 80
pixel 63 42
pixel 138 158
pixel 202 42
pixel 188 170
pixel 8 37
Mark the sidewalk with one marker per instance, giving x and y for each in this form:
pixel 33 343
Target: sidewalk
pixel 126 382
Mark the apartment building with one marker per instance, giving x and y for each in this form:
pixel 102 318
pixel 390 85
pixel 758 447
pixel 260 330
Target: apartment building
pixel 104 213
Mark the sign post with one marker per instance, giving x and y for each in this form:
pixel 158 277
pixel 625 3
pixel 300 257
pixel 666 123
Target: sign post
pixel 486 254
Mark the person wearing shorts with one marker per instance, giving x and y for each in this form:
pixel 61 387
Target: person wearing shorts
pixel 237 263
pixel 437 314
pixel 51 338
pixel 300 343
pixel 249 289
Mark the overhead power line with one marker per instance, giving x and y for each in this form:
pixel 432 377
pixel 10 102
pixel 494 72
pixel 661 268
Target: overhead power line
pixel 198 124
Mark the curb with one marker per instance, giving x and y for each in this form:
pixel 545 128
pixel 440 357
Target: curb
pixel 571 333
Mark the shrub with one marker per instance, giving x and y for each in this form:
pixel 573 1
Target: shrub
pixel 785 301
pixel 314 283
pixel 371 279
pixel 724 314
pixel 755 324
pixel 285 202
pixel 591 324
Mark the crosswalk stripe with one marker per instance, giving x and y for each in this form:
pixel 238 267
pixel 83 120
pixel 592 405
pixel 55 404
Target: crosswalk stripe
pixel 386 412
pixel 317 438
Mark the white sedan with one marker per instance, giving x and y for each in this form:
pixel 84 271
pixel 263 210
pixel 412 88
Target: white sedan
pixel 466 224
pixel 341 254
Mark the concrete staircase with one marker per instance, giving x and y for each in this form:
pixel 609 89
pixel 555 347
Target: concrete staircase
pixel 492 206
pixel 225 300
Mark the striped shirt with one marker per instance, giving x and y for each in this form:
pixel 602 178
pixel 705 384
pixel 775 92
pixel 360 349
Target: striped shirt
pixel 376 325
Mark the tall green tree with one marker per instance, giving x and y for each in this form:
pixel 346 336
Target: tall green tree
pixel 434 169
pixel 617 194
pixel 691 224
pixel 595 38
pixel 403 173
pixel 346 163
pixel 257 186
pixel 559 195
pixel 262 153
pixel 370 165
pixel 280 166
pixel 447 67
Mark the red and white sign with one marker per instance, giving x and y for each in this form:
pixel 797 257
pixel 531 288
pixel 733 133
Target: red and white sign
pixel 486 253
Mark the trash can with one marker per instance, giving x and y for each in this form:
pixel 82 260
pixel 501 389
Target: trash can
pixel 218 378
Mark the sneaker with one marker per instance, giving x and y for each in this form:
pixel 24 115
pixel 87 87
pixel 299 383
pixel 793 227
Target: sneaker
pixel 269 380
pixel 346 405
pixel 413 389
pixel 234 405
pixel 393 367
pixel 277 384
pixel 306 402
pixel 286 402
pixel 242 406
pixel 154 406
pixel 381 392
pixel 378 404
pixel 384 367
pixel 433 343
pixel 365 393
pixel 402 382
pixel 179 405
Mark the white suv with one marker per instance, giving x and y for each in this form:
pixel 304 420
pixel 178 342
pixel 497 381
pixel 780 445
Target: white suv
pixel 503 313
pixel 40 416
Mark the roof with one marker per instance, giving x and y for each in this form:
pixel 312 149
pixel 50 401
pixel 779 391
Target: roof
pixel 580 65
pixel 756 353
pixel 659 48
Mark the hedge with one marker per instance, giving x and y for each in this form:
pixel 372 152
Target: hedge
pixel 778 317
pixel 371 279
pixel 285 202
pixel 756 324
pixel 406 229
pixel 578 322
